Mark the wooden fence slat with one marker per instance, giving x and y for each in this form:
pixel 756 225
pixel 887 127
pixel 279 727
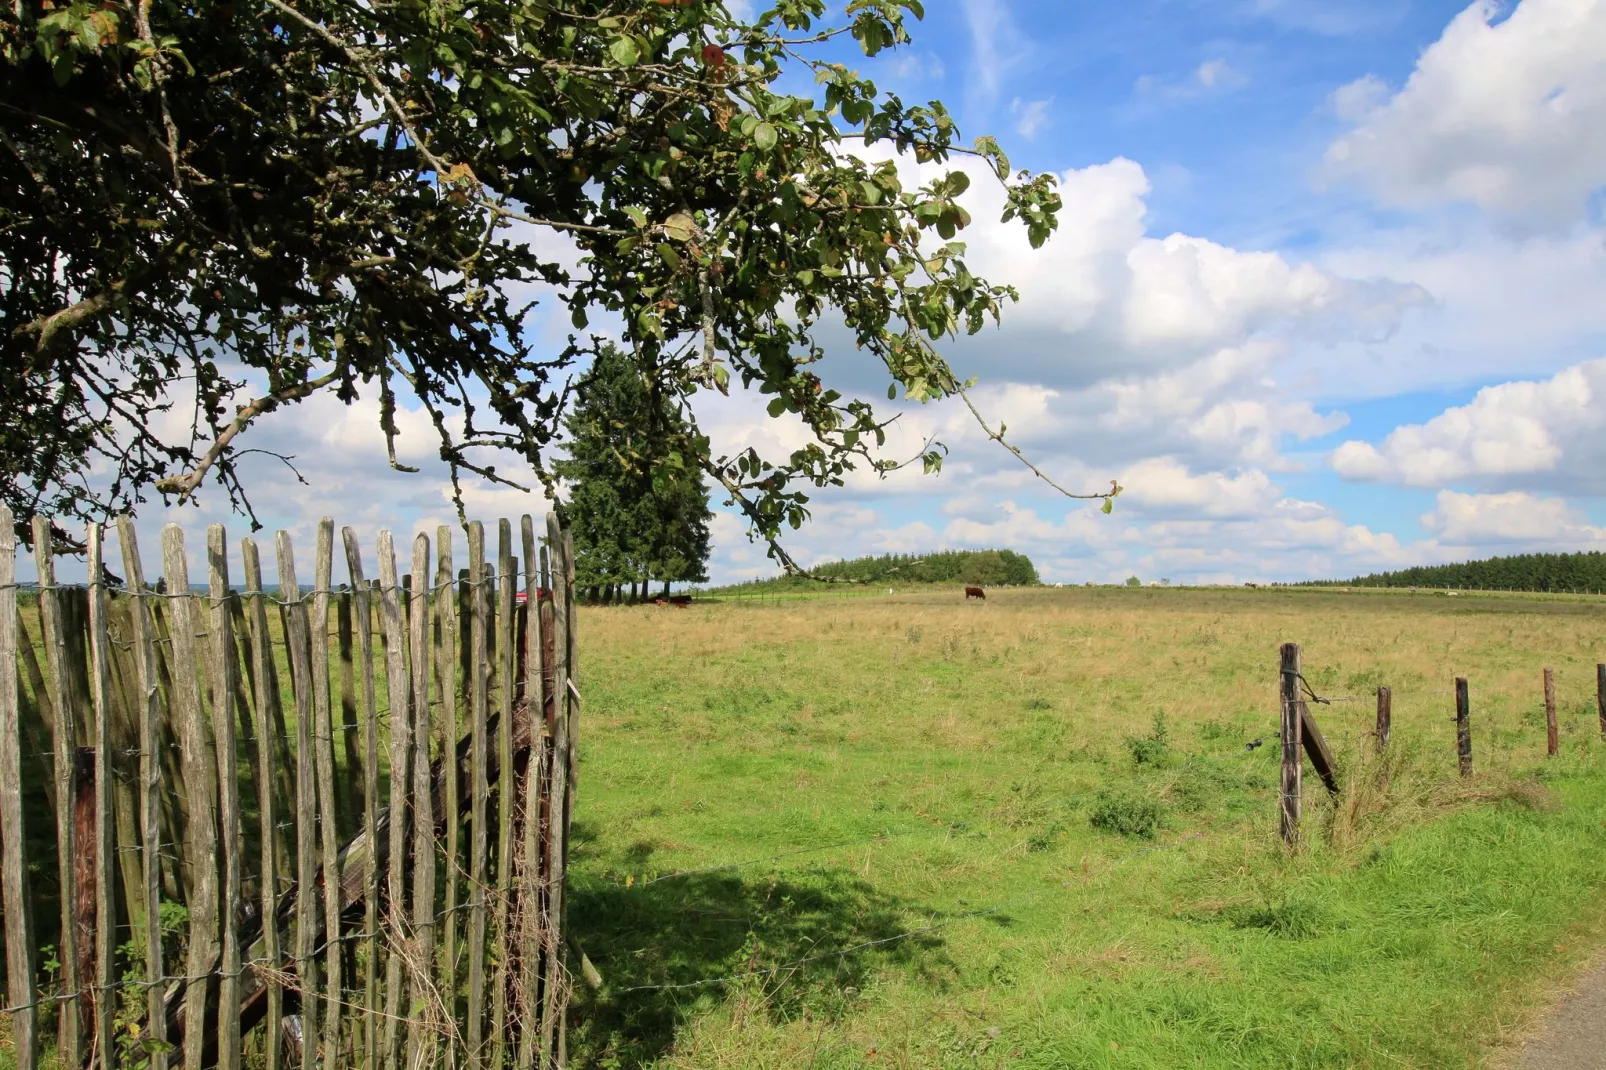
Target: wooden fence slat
pixel 530 937
pixel 223 715
pixel 296 641
pixel 571 753
pixel 267 687
pixel 506 658
pixel 65 748
pixel 480 842
pixel 363 615
pixel 552 1031
pixel 14 891
pixel 401 746
pixel 421 1021
pixel 324 760
pixel 1290 801
pixel 200 772
pixel 1463 725
pixel 100 687
pixel 447 606
pixel 349 723
pixel 150 787
pixel 1385 717
pixel 1552 738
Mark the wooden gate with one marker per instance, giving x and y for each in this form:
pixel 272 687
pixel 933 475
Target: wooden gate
pixel 230 838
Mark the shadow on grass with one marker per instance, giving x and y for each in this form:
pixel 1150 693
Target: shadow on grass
pixel 695 928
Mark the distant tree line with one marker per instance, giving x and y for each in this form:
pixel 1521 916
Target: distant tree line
pixel 989 568
pixel 1519 572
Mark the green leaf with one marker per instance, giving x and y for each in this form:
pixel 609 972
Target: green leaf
pixel 671 257
pixel 680 227
pixel 1109 506
pixel 777 406
pixel 624 51
pixel 764 136
pixel 892 391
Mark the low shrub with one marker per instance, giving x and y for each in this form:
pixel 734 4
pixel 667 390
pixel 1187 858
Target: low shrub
pixel 1127 815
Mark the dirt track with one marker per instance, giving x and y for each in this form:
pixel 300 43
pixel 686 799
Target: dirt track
pixel 1573 1036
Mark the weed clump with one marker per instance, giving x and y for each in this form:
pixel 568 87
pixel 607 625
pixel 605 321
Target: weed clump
pixel 1152 748
pixel 1126 815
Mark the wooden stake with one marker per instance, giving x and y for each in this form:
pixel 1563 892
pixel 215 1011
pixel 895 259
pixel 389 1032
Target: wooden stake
pixel 479 670
pixel 267 687
pixel 507 578
pixel 13 837
pixel 223 714
pixel 324 760
pixel 398 691
pixel 1385 714
pixel 447 604
pixel 1600 697
pixel 1552 738
pixel 65 748
pixel 363 615
pixel 1463 725
pixel 530 937
pixel 421 1044
pixel 306 814
pixel 199 762
pixel 150 793
pixel 100 653
pixel 1290 800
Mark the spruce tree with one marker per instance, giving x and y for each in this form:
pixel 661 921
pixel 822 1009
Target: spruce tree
pixel 638 507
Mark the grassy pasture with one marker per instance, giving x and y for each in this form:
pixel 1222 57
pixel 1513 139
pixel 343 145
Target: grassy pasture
pixel 1084 889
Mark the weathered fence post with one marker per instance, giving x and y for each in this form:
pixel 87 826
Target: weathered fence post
pixel 65 748
pixel 420 1042
pixel 398 689
pixel 199 763
pixel 267 692
pixel 306 817
pixel 223 714
pixel 100 650
pixel 150 792
pixel 1385 715
pixel 323 743
pixel 1463 725
pixel 1600 697
pixel 363 615
pixel 1289 798
pixel 1552 740
pixel 13 853
pixel 479 670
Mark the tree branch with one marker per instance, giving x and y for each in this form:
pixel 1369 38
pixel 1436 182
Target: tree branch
pixel 184 485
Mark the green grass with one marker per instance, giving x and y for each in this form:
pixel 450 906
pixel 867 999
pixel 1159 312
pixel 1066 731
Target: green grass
pixel 1418 926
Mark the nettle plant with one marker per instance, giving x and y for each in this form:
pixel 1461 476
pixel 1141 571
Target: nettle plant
pixel 214 209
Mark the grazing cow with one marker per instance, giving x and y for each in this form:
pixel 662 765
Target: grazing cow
pixel 681 600
pixel 975 592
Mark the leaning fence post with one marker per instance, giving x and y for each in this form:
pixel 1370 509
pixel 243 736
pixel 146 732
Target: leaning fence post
pixel 1385 715
pixel 1463 725
pixel 1289 800
pixel 1552 740
pixel 13 854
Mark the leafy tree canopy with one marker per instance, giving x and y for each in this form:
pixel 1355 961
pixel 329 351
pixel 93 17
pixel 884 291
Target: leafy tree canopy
pixel 638 509
pixel 945 566
pixel 214 208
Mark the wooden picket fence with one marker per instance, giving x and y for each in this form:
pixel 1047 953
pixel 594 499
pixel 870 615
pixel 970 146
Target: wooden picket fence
pixel 388 906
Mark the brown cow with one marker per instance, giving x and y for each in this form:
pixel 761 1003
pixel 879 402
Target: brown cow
pixel 975 592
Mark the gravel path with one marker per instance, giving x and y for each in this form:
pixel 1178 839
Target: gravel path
pixel 1573 1036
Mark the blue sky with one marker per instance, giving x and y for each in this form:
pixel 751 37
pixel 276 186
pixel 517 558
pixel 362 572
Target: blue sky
pixel 1329 296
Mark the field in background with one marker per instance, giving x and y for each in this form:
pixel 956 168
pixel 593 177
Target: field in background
pixel 1052 793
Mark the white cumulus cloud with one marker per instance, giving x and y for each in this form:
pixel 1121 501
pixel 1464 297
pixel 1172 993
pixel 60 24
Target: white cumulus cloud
pixel 1507 114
